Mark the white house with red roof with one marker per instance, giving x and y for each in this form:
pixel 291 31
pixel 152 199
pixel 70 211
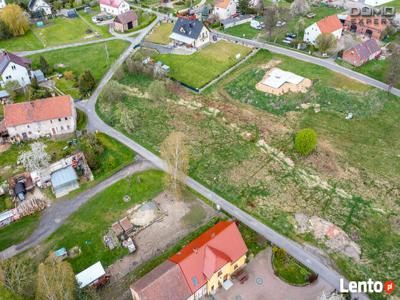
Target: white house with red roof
pixel 114 7
pixel 327 25
pixel 44 117
pixel 199 269
pixel 14 68
pixel 224 9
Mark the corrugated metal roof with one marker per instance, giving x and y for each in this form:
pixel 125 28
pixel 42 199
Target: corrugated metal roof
pixel 90 274
pixel 63 176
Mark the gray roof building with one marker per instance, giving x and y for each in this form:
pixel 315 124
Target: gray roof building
pixel 64 181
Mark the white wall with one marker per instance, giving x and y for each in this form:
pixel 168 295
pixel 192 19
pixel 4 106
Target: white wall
pixel 311 33
pixel 124 7
pixel 204 38
pixel 225 13
pixel 16 72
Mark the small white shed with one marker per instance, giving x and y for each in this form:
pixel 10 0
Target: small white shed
pixel 90 275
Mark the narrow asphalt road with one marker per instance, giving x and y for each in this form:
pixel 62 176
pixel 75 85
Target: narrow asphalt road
pixel 55 215
pixel 329 64
pixel 293 248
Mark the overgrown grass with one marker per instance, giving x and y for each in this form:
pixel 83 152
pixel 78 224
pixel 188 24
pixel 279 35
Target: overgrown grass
pixel 18 231
pixel 82 120
pixel 204 65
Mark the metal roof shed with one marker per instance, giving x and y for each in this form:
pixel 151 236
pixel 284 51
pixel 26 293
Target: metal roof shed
pixel 90 275
pixel 64 181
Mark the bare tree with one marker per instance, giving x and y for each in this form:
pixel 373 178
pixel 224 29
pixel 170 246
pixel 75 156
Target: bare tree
pixel 36 158
pixel 393 73
pixel 271 17
pixel 325 43
pixel 55 280
pixel 299 7
pixel 174 152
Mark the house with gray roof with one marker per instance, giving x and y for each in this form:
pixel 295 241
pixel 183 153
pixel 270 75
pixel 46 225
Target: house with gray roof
pixel 362 53
pixel 39 7
pixel 190 33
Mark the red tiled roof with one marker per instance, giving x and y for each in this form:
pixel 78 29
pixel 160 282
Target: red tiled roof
pixel 329 24
pixel 126 17
pixel 112 3
pixel 222 3
pixel 208 253
pixel 38 110
pixel 166 282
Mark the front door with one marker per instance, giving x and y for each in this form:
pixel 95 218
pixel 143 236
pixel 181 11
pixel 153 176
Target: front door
pixel 130 25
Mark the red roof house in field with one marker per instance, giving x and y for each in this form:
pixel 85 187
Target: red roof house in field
pixel 205 264
pixel 361 53
pixel 49 116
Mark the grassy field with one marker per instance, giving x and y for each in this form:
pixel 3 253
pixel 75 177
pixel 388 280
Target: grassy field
pixel 86 227
pixel 22 43
pixel 224 124
pixel 81 121
pixel 63 31
pixel 204 65
pixel 18 231
pixel 244 31
pixel 160 34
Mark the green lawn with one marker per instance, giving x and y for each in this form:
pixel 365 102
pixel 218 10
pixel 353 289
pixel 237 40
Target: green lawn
pixel 18 231
pixel 63 31
pixel 288 269
pixel 96 57
pixel 160 34
pixel 22 43
pixel 243 30
pixel 68 87
pixel 86 227
pixel 204 65
pixel 81 121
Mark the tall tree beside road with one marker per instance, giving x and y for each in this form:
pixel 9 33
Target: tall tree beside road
pixel 13 16
pixel 393 74
pixel 175 153
pixel 271 17
pixel 86 83
pixel 325 43
pixel 55 280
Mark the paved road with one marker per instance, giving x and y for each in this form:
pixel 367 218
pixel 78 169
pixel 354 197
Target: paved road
pixel 293 248
pixel 27 53
pixel 54 216
pixel 326 63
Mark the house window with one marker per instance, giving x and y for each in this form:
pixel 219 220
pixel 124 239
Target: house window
pixel 59 120
pixel 66 118
pixel 28 126
pixel 8 77
pixel 14 67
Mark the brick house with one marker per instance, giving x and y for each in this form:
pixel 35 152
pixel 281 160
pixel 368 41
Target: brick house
pixel 361 53
pixel 125 21
pixel 44 117
pixel 198 269
pixel 371 26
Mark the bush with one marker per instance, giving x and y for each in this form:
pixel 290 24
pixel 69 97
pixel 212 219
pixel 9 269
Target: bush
pixel 305 141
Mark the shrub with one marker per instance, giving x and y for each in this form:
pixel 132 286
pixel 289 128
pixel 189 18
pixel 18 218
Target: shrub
pixel 305 141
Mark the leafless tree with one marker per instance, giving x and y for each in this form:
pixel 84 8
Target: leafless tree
pixel 17 275
pixel 175 153
pixel 55 280
pixel 36 158
pixel 271 17
pixel 325 43
pixel 393 73
pixel 299 7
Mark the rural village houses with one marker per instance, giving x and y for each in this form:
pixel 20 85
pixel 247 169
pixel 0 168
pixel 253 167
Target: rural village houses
pixel 190 33
pixel 373 27
pixel 38 6
pixel 225 9
pixel 328 25
pixel 14 67
pixel 198 269
pixel 44 117
pixel 362 53
pixel 114 7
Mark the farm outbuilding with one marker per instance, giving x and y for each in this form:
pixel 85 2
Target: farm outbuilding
pixel 64 181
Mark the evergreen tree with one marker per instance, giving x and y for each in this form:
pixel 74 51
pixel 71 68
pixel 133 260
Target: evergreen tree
pixel 244 6
pixel 44 65
pixel 86 83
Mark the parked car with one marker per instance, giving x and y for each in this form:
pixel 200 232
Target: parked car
pixel 291 35
pixel 286 41
pixel 280 23
pixel 256 24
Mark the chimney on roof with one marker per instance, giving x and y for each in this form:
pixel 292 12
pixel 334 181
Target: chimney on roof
pixel 195 250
